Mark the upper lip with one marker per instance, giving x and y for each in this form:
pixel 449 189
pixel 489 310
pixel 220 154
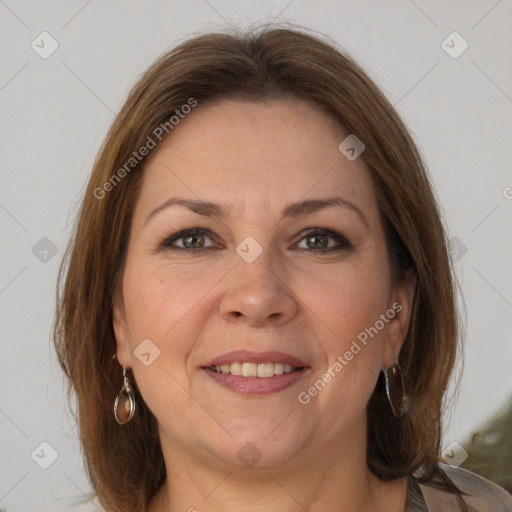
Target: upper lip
pixel 247 356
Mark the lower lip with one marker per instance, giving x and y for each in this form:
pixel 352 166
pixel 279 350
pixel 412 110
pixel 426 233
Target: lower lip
pixel 256 385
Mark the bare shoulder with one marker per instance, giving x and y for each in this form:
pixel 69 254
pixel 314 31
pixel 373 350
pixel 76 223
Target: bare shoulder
pixel 482 494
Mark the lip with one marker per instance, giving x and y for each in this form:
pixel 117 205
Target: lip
pixel 247 356
pixel 251 386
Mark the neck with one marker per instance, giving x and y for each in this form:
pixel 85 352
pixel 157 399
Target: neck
pixel 331 475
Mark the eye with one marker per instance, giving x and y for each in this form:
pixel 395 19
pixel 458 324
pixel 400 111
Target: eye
pixel 319 240
pixel 191 240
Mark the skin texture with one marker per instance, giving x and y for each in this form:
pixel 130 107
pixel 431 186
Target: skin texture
pixel 255 159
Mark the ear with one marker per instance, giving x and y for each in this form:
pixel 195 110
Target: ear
pixel 121 332
pixel 400 309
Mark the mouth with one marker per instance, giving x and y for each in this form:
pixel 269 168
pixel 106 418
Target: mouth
pixel 250 373
pixel 260 370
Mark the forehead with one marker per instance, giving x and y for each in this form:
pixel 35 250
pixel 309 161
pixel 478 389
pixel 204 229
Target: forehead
pixel 262 153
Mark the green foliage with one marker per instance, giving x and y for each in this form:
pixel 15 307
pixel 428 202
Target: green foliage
pixel 490 449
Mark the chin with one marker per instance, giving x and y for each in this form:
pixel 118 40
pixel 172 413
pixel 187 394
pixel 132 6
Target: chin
pixel 260 444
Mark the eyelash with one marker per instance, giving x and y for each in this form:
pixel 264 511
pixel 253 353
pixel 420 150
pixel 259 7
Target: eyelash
pixel 343 243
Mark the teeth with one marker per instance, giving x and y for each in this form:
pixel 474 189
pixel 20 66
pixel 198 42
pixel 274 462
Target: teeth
pixel 265 369
pixel 262 370
pixel 248 370
pixel 236 369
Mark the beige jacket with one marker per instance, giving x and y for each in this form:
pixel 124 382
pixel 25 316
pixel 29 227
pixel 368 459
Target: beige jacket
pixel 484 495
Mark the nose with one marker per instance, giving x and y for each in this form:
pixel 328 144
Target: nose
pixel 258 295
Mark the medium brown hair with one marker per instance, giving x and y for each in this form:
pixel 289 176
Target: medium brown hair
pixel 125 463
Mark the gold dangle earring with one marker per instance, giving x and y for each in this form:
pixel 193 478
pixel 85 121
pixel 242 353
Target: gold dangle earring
pixel 124 406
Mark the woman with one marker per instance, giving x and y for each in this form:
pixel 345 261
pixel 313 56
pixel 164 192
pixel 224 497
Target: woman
pixel 257 309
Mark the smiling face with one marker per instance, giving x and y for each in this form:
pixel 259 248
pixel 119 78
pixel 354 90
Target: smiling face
pixel 266 271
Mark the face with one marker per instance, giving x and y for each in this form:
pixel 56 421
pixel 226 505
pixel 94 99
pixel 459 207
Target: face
pixel 286 269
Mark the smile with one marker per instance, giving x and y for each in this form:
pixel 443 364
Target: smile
pixel 251 373
pixel 261 370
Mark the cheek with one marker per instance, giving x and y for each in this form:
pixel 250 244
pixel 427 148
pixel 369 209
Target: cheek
pixel 171 306
pixel 158 298
pixel 348 304
pixel 168 306
pixel 160 305
pixel 170 302
pixel 347 300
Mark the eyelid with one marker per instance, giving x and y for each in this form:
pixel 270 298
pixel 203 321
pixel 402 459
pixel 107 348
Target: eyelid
pixel 167 241
pixel 343 243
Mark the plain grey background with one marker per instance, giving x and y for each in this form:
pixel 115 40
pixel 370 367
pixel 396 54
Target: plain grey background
pixel 56 111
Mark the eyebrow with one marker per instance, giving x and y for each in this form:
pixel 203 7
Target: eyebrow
pixel 297 209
